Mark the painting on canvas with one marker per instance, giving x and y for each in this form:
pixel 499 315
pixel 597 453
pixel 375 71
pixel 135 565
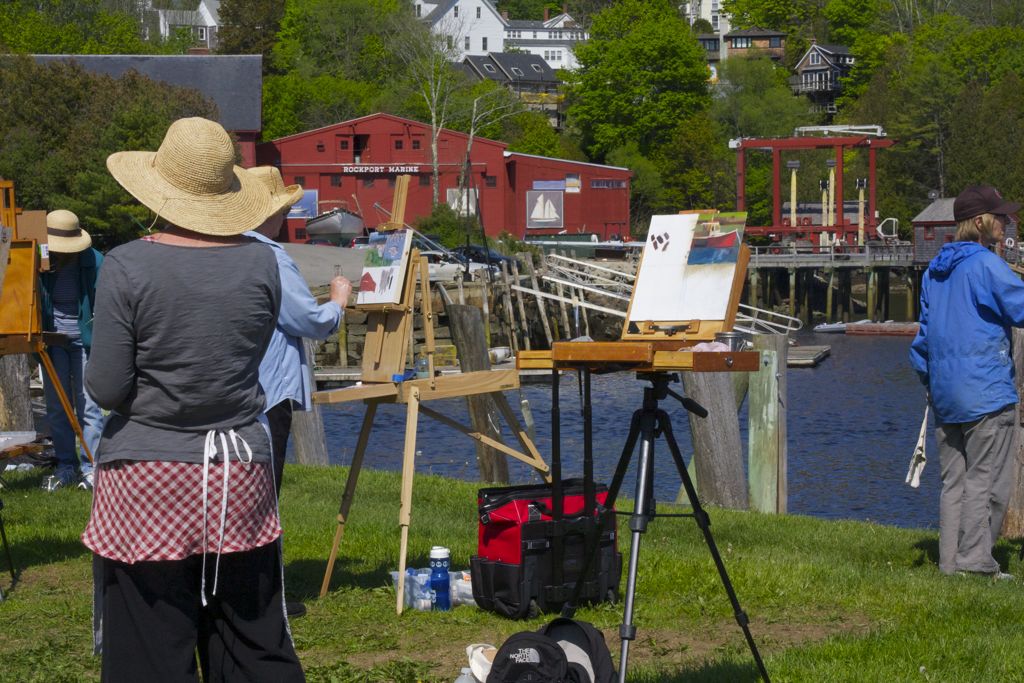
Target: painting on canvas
pixel 688 267
pixel 383 279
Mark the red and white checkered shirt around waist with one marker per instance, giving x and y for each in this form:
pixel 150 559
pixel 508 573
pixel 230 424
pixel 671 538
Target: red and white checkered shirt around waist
pixel 153 510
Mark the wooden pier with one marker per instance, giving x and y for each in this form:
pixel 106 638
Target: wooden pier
pixel 807 356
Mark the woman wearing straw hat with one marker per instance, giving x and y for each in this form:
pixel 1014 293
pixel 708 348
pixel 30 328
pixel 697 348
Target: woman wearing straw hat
pixel 68 291
pixel 184 520
pixel 284 370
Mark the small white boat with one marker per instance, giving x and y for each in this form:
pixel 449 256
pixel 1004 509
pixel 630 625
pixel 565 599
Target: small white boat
pixel 837 328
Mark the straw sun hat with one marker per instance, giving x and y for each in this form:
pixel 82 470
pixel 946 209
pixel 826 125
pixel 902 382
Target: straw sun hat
pixel 281 197
pixel 63 233
pixel 192 181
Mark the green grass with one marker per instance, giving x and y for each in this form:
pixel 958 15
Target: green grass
pixel 828 601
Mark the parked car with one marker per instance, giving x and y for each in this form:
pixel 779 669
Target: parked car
pixel 476 253
pixel 318 242
pixel 447 267
pixel 359 242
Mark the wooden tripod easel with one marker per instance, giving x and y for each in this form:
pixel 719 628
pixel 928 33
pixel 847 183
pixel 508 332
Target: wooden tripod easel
pixel 389 332
pixel 21 321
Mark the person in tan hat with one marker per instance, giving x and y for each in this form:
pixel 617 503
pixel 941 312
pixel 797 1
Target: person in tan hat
pixel 67 294
pixel 284 371
pixel 184 521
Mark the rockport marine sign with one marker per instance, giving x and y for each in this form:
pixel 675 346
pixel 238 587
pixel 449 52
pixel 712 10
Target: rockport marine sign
pixel 368 168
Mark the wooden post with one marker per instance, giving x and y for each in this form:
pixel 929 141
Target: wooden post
pixel 755 287
pixel 911 297
pixel 519 304
pixel 1013 524
pixel 883 292
pixel 828 295
pixel 486 308
pixel 467 334
pixel 308 436
pixel 566 328
pixel 541 308
pixel 792 292
pixel 506 297
pixel 581 296
pixel 717 450
pixel 767 454
pixel 805 304
pixel 872 296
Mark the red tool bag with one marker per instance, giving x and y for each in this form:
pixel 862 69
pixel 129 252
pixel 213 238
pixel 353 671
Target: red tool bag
pixel 532 545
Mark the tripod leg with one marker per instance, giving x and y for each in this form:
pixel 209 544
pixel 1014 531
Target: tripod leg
pixel 704 522
pixel 637 526
pixel 569 608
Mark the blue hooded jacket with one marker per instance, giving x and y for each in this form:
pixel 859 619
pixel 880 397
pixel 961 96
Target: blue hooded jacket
pixel 969 301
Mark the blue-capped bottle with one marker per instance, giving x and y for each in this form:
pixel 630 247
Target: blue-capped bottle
pixel 440 560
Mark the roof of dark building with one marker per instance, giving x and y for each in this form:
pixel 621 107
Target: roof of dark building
pixel 512 66
pixel 755 32
pixel 233 82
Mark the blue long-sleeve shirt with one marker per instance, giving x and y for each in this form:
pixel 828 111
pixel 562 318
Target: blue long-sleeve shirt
pixel 284 370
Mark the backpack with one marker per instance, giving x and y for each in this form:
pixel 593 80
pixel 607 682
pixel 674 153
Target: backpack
pixel 563 651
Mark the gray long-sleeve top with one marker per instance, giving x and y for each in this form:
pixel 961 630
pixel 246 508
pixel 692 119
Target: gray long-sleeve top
pixel 178 337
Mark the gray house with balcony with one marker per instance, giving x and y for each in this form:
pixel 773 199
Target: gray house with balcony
pixel 819 75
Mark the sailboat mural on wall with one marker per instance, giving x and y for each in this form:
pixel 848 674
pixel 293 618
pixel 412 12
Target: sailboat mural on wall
pixel 544 209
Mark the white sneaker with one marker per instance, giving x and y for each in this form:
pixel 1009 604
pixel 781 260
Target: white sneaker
pixel 85 483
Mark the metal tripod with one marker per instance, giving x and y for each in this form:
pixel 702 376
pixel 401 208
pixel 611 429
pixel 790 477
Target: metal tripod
pixel 648 423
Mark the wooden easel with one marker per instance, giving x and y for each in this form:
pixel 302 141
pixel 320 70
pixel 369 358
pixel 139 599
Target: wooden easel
pixel 389 332
pixel 21 321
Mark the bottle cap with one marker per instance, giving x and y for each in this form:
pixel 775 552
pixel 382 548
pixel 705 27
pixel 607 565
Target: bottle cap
pixel 439 552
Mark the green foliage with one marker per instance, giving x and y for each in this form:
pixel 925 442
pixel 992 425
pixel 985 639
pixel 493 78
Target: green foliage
pixel 452 229
pixel 530 132
pixel 753 99
pixel 702 26
pixel 82 27
pixel 249 27
pixel 58 124
pixel 640 73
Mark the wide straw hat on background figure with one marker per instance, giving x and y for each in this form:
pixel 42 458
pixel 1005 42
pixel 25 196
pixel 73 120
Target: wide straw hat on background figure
pixel 192 181
pixel 282 197
pixel 63 233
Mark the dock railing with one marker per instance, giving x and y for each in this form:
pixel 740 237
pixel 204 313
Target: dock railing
pixel 841 256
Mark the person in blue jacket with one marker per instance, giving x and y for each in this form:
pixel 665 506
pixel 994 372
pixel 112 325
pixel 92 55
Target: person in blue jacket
pixel 969 301
pixel 67 292
pixel 284 370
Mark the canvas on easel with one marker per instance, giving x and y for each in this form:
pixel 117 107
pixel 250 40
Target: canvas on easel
pixel 384 268
pixel 689 278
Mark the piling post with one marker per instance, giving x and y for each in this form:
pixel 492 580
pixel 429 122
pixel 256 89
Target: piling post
pixel 519 303
pixel 911 296
pixel 567 329
pixel 872 293
pixel 755 287
pixel 828 294
pixel 805 303
pixel 883 292
pixel 717 449
pixel 792 292
pixel 1013 523
pixel 467 334
pixel 541 308
pixel 506 296
pixel 308 437
pixel 767 450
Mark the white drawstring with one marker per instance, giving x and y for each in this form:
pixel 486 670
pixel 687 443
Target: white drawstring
pixel 209 455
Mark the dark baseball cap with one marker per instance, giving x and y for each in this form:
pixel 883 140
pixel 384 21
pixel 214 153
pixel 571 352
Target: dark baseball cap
pixel 978 199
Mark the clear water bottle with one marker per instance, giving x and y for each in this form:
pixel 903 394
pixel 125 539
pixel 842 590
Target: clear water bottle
pixel 466 676
pixel 422 367
pixel 440 559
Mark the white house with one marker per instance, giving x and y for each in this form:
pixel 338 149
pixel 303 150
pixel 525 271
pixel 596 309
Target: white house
pixel 552 39
pixel 476 28
pixel 203 22
pixel 712 12
pixel 473 27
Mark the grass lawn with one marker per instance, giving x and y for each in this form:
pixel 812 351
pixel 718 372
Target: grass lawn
pixel 828 601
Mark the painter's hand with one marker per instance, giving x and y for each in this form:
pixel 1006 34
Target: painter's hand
pixel 341 289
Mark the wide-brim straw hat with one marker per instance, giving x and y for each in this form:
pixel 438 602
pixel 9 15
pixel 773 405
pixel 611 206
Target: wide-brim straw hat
pixel 192 181
pixel 63 233
pixel 281 196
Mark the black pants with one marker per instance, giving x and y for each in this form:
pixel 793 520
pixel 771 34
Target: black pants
pixel 154 622
pixel 279 419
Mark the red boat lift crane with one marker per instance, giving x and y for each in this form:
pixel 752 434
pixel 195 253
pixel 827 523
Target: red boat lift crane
pixel 841 229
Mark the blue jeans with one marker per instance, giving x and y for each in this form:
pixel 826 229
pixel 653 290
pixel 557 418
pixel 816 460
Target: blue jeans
pixel 69 362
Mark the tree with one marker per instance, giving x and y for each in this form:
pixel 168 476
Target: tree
pixel 59 123
pixel 640 73
pixel 249 27
pixel 752 99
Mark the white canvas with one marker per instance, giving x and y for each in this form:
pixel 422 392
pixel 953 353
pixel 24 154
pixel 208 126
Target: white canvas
pixel 384 266
pixel 678 282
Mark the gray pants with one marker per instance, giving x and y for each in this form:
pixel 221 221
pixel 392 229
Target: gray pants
pixel 977 476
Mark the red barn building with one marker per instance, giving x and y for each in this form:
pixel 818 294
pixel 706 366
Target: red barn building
pixel 353 165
